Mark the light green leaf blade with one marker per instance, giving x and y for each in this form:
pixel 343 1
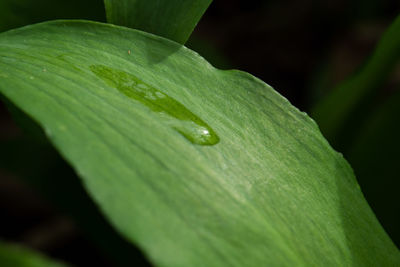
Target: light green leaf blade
pixel 199 167
pixel 172 19
pixel 15 256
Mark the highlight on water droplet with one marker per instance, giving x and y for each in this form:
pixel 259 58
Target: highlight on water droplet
pixel 172 112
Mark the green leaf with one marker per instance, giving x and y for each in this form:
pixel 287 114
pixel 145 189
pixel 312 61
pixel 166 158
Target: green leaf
pixel 13 255
pixel 173 19
pixel 341 109
pixel 199 167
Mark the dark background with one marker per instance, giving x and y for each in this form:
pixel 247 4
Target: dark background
pixel 302 48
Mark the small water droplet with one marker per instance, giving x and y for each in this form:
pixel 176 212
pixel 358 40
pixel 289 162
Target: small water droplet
pixel 31 77
pixel 48 132
pixel 173 113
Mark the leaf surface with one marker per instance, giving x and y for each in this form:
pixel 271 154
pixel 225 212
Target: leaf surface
pixel 199 167
pixel 172 19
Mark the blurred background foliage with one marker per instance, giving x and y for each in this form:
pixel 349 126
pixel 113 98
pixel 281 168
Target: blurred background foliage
pixel 305 49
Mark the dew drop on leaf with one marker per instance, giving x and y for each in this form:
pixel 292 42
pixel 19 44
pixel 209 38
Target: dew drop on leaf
pixel 172 112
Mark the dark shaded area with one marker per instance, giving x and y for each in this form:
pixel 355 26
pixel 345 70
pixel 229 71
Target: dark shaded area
pixel 288 43
pixel 17 13
pixel 303 48
pixel 375 157
pixel 31 220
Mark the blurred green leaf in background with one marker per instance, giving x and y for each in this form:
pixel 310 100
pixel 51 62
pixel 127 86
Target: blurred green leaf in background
pixel 173 19
pixel 12 255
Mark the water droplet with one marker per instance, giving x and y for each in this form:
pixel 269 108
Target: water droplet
pixel 173 113
pixel 48 132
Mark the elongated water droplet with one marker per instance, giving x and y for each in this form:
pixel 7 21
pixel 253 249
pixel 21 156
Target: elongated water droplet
pixel 173 113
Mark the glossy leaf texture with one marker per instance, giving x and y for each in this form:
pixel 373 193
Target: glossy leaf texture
pixel 197 166
pixel 172 19
pixel 13 255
